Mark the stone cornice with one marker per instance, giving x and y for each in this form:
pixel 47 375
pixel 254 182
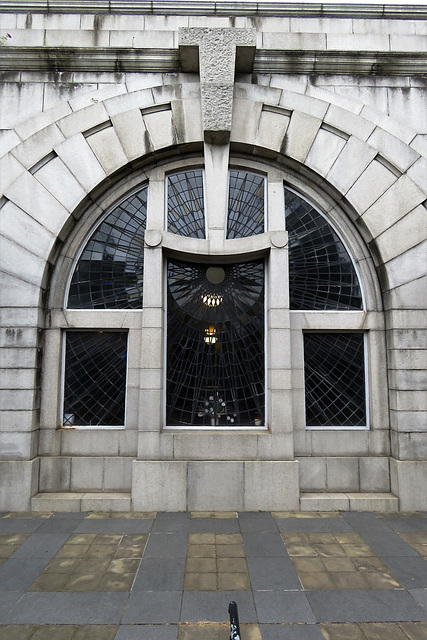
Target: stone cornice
pixel 221 8
pixel 341 62
pixel 97 59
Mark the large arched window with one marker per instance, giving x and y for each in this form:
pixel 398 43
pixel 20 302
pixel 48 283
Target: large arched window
pixel 215 358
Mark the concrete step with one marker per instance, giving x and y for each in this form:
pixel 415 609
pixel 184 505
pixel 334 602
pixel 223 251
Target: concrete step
pixel 81 501
pixel 349 502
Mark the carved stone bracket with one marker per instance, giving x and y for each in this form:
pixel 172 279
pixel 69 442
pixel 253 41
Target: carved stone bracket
pixel 217 54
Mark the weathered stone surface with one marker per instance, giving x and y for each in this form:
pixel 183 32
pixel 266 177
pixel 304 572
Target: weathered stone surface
pixel 351 163
pixel 107 148
pixel 271 485
pixel 217 59
pixel 77 155
pixel 114 100
pixel 300 135
pixel 342 474
pixel 324 151
pixel 228 479
pixel 408 481
pixel 18 483
pixel 374 474
pixel 370 186
pixel 312 474
pixel 159 485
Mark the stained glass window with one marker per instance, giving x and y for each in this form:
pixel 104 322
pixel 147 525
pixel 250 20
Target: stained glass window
pixel 245 204
pixel 95 378
pixel 334 379
pixel 215 344
pixel 186 213
pixel 321 273
pixel 109 272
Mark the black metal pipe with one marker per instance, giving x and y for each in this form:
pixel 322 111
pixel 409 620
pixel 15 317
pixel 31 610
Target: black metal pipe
pixel 234 621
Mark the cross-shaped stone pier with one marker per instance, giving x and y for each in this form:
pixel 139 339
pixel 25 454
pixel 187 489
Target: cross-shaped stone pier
pixel 217 54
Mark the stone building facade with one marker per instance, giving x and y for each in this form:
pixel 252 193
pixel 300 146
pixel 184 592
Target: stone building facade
pixel 213 256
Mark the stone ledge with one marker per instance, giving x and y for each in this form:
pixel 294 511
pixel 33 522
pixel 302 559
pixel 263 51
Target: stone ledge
pixel 214 8
pixel 101 59
pixel 382 502
pixel 81 501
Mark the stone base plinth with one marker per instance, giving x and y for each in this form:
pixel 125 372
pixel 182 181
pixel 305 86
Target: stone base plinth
pixel 18 483
pixel 215 485
pixel 409 483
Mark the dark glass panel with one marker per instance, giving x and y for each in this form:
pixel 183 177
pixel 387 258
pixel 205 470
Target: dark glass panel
pixel 245 204
pixel 215 346
pixel 109 272
pixel 186 209
pixel 334 380
pixel 95 378
pixel 321 273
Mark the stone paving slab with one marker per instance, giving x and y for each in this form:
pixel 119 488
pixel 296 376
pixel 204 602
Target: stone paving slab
pixel 214 525
pixel 41 545
pixel 69 608
pixel 387 543
pixel 213 606
pixel 114 526
pixel 19 574
pixel 283 606
pixel 296 576
pixel 153 607
pixel 365 606
pixel 411 572
pixel 155 632
pixel 160 574
pixel 8 600
pixel 273 574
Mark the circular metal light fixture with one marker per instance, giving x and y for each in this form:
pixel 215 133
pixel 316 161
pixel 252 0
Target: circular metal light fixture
pixel 215 275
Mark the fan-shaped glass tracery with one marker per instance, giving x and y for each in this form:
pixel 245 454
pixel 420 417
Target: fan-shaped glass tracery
pixel 109 272
pixel 245 204
pixel 215 344
pixel 321 273
pixel 186 213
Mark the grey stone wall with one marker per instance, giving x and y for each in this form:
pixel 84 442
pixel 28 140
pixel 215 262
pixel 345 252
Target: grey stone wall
pixel 336 105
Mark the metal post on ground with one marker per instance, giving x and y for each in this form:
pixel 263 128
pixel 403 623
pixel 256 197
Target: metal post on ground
pixel 234 621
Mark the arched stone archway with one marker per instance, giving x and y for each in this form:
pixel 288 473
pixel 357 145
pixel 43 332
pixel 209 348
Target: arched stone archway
pixel 371 172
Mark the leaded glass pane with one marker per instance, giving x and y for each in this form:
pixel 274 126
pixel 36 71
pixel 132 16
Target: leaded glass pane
pixel 95 378
pixel 215 344
pixel 109 272
pixel 186 209
pixel 334 380
pixel 321 273
pixel 245 204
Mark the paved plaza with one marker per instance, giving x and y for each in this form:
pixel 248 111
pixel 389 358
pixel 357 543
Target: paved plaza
pixel 168 576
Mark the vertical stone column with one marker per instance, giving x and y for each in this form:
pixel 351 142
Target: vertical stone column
pixel 20 342
pixel 216 192
pixel 406 345
pixel 278 321
pixel 216 54
pixel 150 418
